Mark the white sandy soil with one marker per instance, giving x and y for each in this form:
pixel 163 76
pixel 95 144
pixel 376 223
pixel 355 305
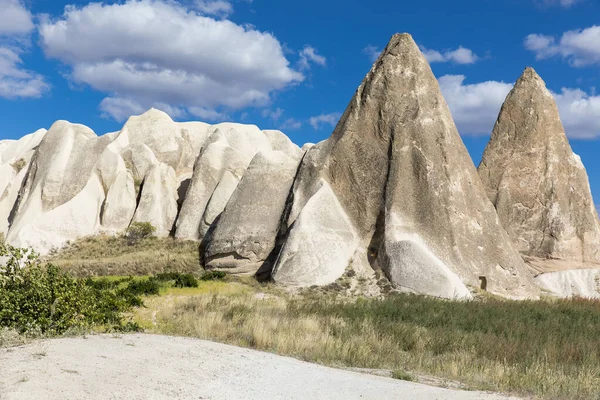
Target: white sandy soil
pixel 161 367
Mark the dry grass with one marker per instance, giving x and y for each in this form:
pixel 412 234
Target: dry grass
pixel 544 349
pixel 110 255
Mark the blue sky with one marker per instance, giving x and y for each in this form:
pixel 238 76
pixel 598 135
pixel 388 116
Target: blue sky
pixel 288 65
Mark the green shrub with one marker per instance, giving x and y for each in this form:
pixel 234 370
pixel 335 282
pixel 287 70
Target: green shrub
pixel 142 287
pixel 19 165
pixel 43 299
pixel 179 280
pixel 213 276
pixel 138 231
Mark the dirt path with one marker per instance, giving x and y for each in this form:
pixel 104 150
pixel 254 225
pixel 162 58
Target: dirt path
pixel 161 367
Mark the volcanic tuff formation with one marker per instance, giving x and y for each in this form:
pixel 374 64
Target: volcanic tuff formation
pixel 538 185
pixel 392 195
pixel 394 189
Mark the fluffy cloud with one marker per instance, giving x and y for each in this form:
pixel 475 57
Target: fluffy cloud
pixel 15 19
pixel 155 52
pixel 580 47
pixel 15 26
pixel 560 3
pixel 461 55
pixel 324 119
pixel 475 107
pixel 290 124
pixel 372 52
pixel 218 8
pixel 308 55
pixel 15 81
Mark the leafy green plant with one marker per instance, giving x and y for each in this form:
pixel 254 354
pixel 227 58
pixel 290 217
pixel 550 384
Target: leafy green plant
pixel 19 165
pixel 179 280
pixel 213 276
pixel 46 300
pixel 138 231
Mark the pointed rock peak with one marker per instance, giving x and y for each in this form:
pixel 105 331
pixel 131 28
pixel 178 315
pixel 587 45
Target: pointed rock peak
pixel 152 114
pixel 400 43
pixel 530 80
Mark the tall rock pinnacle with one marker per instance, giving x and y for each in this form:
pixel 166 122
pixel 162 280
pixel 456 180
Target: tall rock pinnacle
pixel 538 185
pixel 394 189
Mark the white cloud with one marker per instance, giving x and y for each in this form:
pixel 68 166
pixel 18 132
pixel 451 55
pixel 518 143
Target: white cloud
pixel 15 27
pixel 290 124
pixel 16 82
pixel 372 52
pixel 218 8
pixel 272 114
pixel 150 52
pixel 580 47
pixel 579 112
pixel 309 54
pixel 560 3
pixel 15 19
pixel 461 55
pixel 207 114
pixel 475 107
pixel 324 119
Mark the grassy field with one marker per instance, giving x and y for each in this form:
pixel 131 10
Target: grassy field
pixel 115 255
pixel 547 349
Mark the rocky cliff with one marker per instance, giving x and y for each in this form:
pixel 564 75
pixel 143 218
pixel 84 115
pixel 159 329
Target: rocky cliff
pixel 391 196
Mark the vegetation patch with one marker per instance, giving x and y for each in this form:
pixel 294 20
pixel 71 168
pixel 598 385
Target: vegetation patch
pixel 105 255
pixel 546 349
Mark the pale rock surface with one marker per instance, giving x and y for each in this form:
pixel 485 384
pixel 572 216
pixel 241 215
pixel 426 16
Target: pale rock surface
pixel 245 234
pixel 62 195
pixel 572 283
pixel 158 199
pixel 320 244
pixel 120 203
pixel 538 185
pixel 230 148
pixel 218 201
pixel 400 172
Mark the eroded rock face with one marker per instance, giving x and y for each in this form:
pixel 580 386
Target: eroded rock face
pixel 571 283
pixel 407 187
pixel 68 182
pixel 538 185
pixel 245 234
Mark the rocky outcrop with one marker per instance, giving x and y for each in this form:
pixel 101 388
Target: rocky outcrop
pixel 571 283
pixel 538 185
pixel 245 234
pixel 404 196
pixel 69 182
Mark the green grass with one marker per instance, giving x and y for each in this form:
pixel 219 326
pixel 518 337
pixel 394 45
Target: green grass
pixel 546 349
pixel 117 256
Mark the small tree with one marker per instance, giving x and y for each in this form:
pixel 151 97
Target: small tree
pixel 138 231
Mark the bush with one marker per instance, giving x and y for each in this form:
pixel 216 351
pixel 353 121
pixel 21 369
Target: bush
pixel 142 287
pixel 179 280
pixel 213 276
pixel 138 231
pixel 46 300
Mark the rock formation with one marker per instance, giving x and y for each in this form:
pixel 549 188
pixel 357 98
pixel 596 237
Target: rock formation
pixel 68 182
pixel 394 189
pixel 246 232
pixel 538 185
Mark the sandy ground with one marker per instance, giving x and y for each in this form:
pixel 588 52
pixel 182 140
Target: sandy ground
pixel 161 367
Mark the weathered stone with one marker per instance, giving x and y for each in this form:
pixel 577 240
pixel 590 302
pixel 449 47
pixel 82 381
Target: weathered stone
pixel 245 234
pixel 120 203
pixel 62 195
pixel 218 201
pixel 402 175
pixel 537 184
pixel 158 199
pixel 320 245
pixel 572 283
